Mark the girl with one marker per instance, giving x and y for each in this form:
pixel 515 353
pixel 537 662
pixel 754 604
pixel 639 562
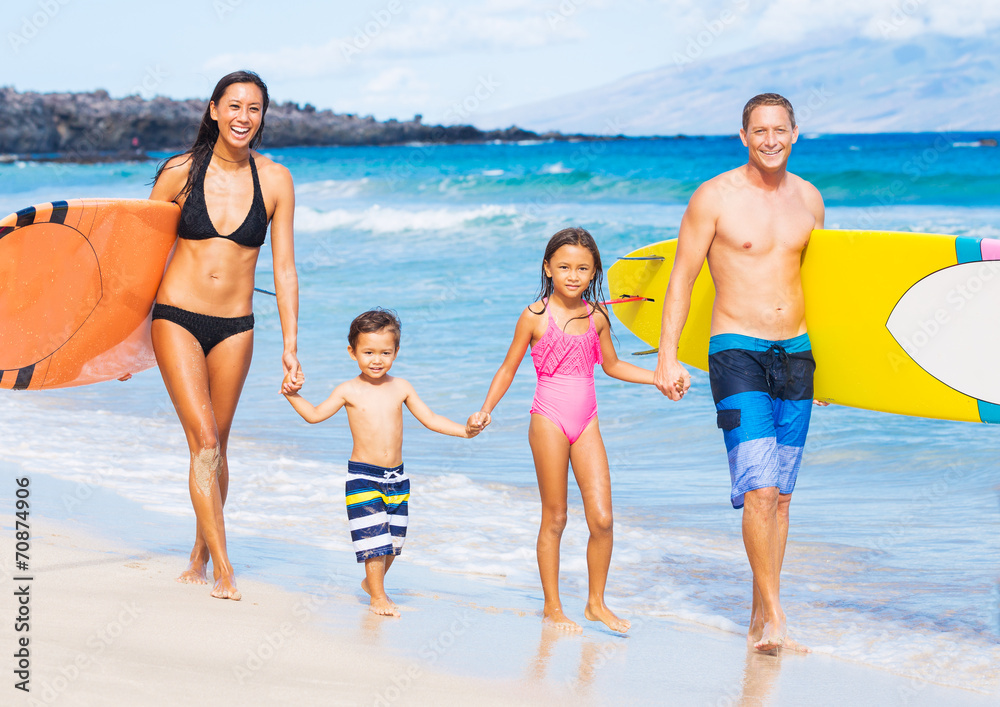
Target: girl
pixel 567 340
pixel 203 320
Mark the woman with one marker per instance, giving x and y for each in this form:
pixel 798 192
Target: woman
pixel 203 321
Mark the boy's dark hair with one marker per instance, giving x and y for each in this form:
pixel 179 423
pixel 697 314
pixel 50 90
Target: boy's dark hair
pixel 372 321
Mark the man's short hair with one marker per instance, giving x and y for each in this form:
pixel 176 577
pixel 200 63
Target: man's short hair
pixel 372 321
pixel 767 99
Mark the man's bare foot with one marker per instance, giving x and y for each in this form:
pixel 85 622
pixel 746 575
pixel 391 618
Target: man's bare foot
pixel 793 645
pixel 383 606
pixel 603 614
pixel 557 619
pixel 772 637
pixel 194 574
pixel 225 588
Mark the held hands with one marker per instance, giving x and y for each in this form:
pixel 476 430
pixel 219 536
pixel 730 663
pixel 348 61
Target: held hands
pixel 477 423
pixel 672 379
pixel 290 386
pixel 294 378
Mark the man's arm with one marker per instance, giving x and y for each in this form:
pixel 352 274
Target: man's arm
pixel 693 241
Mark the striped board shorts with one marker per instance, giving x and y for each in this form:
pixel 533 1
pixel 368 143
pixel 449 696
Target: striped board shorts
pixel 377 509
pixel 763 392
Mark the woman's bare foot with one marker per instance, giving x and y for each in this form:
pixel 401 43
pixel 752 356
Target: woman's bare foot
pixel 383 606
pixel 603 614
pixel 194 574
pixel 557 619
pixel 225 588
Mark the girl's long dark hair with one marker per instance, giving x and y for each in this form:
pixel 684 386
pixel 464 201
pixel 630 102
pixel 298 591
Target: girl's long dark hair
pixel 208 131
pixel 594 294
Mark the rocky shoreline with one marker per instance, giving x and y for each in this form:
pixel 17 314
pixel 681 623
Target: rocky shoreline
pixel 94 127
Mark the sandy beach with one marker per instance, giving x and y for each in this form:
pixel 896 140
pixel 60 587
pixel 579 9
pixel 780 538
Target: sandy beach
pixel 109 626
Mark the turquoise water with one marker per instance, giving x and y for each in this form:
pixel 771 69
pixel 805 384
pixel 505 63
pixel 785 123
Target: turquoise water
pixel 894 551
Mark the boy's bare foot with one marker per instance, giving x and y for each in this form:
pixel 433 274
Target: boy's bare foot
pixel 225 588
pixel 603 614
pixel 364 585
pixel 383 606
pixel 772 637
pixel 557 619
pixel 194 574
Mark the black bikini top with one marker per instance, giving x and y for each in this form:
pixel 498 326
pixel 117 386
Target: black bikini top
pixel 196 225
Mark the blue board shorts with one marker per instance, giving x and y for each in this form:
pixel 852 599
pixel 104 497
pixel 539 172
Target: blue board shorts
pixel 763 392
pixel 377 509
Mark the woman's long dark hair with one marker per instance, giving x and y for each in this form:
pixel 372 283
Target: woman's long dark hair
pixel 208 131
pixel 594 294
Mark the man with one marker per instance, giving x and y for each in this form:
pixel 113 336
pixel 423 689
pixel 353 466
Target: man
pixel 753 224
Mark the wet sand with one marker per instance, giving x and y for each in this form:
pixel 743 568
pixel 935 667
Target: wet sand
pixel 109 625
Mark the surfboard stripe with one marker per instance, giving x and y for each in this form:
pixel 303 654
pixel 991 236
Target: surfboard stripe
pixel 25 217
pixel 989 412
pixel 5 230
pixel 24 377
pixel 967 249
pixel 59 209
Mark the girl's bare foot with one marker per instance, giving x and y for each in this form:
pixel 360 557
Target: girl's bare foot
pixel 557 619
pixel 607 617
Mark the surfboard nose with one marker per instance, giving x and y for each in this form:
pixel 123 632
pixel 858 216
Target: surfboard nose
pixel 50 274
pixel 947 323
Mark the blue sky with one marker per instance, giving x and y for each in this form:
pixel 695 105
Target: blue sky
pixel 446 59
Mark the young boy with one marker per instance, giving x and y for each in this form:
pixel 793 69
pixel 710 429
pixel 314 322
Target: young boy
pixel 377 487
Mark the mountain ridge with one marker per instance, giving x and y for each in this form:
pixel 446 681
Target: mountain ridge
pixel 923 84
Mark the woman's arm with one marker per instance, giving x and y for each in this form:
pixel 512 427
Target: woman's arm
pixel 515 354
pixel 614 366
pixel 286 279
pixel 172 179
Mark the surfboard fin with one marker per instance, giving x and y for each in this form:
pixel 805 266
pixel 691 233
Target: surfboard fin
pixel 650 352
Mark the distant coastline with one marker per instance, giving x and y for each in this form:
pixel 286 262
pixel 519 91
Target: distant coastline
pixel 94 127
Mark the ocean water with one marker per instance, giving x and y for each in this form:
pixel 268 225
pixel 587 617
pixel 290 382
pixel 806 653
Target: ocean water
pixel 894 551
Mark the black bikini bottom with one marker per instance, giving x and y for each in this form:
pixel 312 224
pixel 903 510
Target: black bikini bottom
pixel 208 330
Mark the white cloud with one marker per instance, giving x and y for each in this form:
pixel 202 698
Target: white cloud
pixel 434 30
pixel 396 79
pixel 398 89
pixel 787 21
pixel 287 62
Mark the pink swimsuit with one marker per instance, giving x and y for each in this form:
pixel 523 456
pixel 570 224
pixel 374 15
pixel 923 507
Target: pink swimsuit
pixel 565 367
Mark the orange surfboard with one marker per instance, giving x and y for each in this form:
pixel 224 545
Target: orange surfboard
pixel 77 283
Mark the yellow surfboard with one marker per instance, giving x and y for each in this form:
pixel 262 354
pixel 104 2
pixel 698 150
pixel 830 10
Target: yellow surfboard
pixel 77 282
pixel 907 323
